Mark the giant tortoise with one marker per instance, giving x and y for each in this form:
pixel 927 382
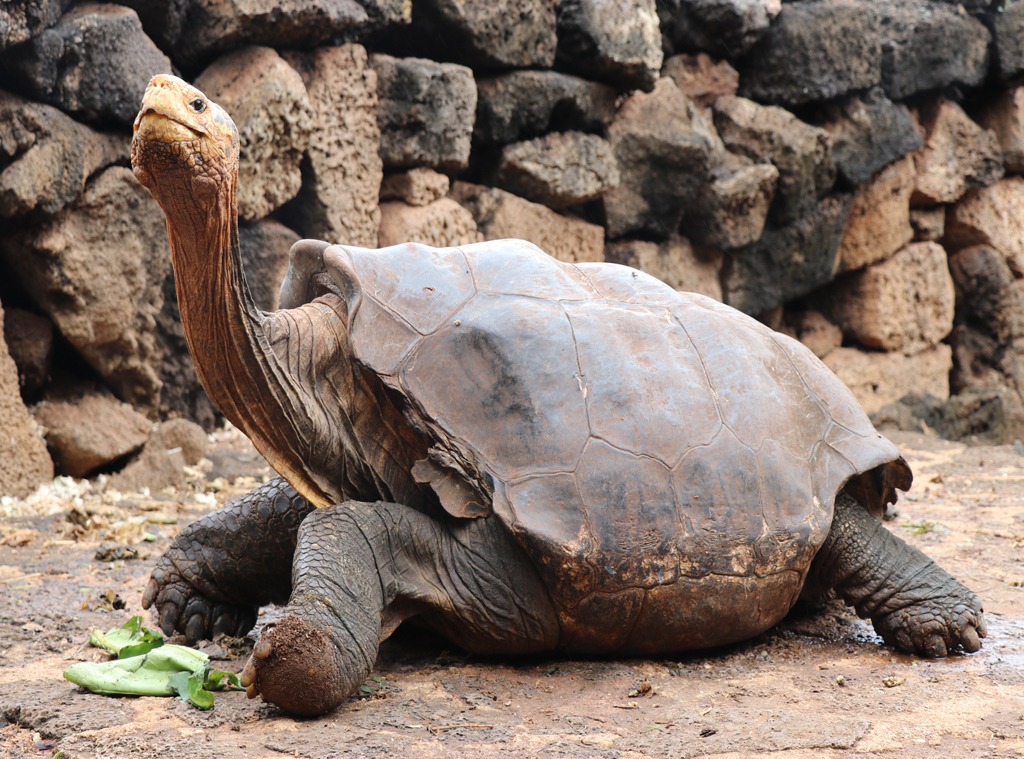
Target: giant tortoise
pixel 522 454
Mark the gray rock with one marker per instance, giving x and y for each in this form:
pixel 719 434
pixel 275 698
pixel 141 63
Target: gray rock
pixel 929 46
pixel 425 113
pixel 268 102
pixel 815 50
pixel 560 169
pixel 524 104
pixel 799 151
pixel 95 63
pixel 197 30
pixel 616 41
pixel 493 34
pixel 89 431
pixel 172 445
pixel 20 20
pixel 664 154
pixel 732 207
pixel 787 262
pixel 343 169
pixel 264 247
pixel 46 157
pixel 1008 35
pixel 97 270
pixel 868 133
pixel 726 28
pixel 24 461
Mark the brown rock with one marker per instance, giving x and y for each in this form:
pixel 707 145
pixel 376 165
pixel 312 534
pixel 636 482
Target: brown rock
pixel 24 461
pixel 877 378
pixel 675 262
pixel 957 155
pixel 343 170
pixel 732 207
pixel 29 340
pixel 701 78
pixel 664 150
pixel 501 214
pixel 425 112
pixel 442 223
pixel 770 134
pixel 268 102
pixel 904 303
pixel 929 224
pixel 90 431
pixel 990 216
pixel 814 330
pixel 879 221
pixel 1005 118
pixel 172 446
pixel 559 169
pixel 46 157
pixel 264 248
pixel 98 270
pixel 417 187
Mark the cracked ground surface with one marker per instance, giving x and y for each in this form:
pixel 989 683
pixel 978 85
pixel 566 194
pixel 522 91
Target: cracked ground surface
pixel 819 685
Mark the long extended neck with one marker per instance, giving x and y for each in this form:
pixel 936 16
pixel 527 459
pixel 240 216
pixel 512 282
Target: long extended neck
pixel 226 332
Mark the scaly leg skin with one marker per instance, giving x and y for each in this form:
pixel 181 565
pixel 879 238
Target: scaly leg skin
pixel 362 568
pixel 220 569
pixel 914 604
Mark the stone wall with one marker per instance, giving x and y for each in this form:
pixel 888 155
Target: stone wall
pixel 846 170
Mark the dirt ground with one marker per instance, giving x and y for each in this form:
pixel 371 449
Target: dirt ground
pixel 820 685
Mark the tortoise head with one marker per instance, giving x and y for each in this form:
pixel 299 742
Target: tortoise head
pixel 183 142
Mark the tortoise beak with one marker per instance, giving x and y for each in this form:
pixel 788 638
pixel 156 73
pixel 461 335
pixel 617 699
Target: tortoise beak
pixel 163 117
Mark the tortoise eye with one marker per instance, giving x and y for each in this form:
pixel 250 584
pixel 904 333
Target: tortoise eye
pixel 198 105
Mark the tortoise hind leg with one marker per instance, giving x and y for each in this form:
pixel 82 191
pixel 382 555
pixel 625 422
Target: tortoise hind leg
pixel 913 603
pixel 221 568
pixel 362 568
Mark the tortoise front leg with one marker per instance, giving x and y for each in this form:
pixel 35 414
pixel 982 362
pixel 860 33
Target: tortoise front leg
pixel 914 604
pixel 362 568
pixel 221 568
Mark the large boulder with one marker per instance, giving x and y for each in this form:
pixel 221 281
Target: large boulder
pixel 1005 118
pixel 879 221
pixel 904 303
pixel 425 112
pixel 868 133
pixel 616 41
pixel 501 214
pixel 94 63
pixel 24 461
pixel 559 169
pixel 878 378
pixel 524 104
pixel 732 206
pixel 815 50
pixel 343 169
pixel 957 155
pixel 664 148
pixel 268 102
pixel 264 248
pixel 21 20
pixel 97 270
pixel 800 152
pixel 441 223
pixel 1008 35
pixel 728 28
pixel 990 216
pixel 916 30
pixel 416 187
pixel 46 157
pixel 29 338
pixel 491 35
pixel 701 78
pixel 787 262
pixel 197 30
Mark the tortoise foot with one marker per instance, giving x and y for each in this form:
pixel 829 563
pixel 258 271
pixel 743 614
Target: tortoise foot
pixel 295 665
pixel 935 627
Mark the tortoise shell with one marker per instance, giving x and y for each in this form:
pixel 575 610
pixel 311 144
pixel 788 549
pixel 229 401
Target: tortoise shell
pixel 639 442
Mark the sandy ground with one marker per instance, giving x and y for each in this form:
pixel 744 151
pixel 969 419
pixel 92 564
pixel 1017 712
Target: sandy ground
pixel 820 685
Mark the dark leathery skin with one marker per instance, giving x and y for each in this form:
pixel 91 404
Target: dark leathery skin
pixel 914 604
pixel 220 569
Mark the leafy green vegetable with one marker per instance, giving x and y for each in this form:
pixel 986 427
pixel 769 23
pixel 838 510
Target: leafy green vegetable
pixel 146 666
